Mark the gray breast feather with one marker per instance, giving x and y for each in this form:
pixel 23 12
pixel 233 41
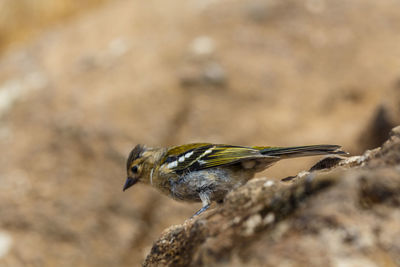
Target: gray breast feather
pixel 216 182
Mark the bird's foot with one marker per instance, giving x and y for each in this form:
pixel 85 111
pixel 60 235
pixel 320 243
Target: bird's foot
pixel 204 208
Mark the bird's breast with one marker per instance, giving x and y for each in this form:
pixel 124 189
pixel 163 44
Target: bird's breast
pixel 217 182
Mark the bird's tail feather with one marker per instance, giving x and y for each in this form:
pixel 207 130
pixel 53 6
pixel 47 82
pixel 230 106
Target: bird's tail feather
pixel 302 151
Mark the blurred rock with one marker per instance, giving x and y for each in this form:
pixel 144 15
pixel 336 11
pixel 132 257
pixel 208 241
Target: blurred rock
pixel 315 6
pixel 377 129
pixel 341 217
pixel 258 11
pixel 200 68
pixel 105 58
pixel 214 74
pixel 5 243
pixel 393 101
pixel 118 47
pixel 202 46
pixel 15 89
pixel 263 11
pixel 207 74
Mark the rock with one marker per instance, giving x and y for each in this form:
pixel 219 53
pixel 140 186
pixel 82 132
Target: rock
pixel 14 89
pixel 203 74
pixel 378 128
pixel 263 11
pixel 202 46
pixel 5 243
pixel 327 163
pixel 343 215
pixel 214 74
pixel 200 67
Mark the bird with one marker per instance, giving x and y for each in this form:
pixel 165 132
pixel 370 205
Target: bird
pixel 206 172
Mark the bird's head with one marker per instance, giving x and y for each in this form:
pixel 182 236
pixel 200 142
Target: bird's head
pixel 137 166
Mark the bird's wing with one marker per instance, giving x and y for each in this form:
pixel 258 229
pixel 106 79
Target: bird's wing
pixel 194 157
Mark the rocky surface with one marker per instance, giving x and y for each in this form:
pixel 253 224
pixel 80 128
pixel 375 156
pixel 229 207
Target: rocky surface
pixel 346 215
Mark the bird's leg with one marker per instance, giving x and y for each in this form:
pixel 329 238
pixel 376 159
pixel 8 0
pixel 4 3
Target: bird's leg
pixel 204 208
pixel 205 199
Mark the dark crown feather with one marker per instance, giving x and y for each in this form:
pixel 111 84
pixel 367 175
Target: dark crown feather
pixel 135 154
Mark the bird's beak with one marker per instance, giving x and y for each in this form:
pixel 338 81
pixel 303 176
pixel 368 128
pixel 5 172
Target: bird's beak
pixel 129 182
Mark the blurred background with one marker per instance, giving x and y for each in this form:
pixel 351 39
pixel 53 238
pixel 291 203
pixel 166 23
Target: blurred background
pixel 82 82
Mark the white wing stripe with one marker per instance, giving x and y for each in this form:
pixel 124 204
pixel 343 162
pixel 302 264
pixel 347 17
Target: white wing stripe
pixel 172 165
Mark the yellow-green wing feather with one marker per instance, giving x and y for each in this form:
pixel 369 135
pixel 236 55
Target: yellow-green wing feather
pixel 198 156
pixel 226 155
pixel 177 150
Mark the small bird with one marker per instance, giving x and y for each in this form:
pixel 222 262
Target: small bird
pixel 207 172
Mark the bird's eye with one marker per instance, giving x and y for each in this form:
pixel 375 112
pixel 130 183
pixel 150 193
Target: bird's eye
pixel 134 169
